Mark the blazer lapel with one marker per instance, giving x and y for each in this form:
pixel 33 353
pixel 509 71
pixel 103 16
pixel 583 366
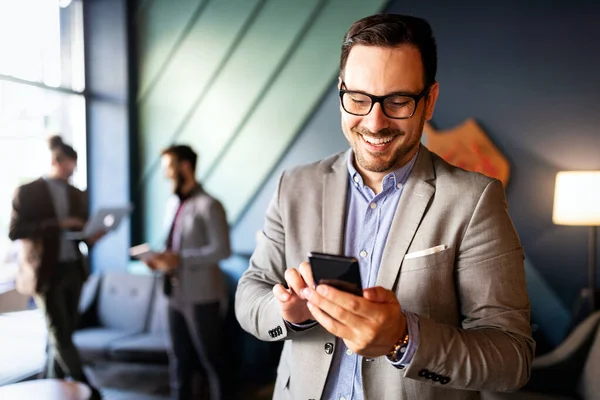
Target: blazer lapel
pixel 411 208
pixel 44 203
pixel 335 199
pixel 188 211
pixel 179 221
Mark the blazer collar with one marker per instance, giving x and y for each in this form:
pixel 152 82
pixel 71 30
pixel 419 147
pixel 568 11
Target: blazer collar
pixel 335 199
pixel 416 195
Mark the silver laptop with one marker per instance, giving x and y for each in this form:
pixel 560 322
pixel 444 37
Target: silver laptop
pixel 105 219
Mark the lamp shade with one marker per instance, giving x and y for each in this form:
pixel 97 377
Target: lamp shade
pixel 577 198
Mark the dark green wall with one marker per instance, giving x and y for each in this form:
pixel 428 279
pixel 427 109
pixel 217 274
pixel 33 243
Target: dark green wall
pixel 235 79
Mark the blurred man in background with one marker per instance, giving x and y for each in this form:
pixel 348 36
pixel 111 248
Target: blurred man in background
pixel 198 238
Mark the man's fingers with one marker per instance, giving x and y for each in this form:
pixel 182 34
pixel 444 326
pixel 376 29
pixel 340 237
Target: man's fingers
pixel 307 275
pixel 326 321
pixel 336 304
pixel 378 294
pixel 347 303
pixel 149 264
pixel 295 281
pixel 281 293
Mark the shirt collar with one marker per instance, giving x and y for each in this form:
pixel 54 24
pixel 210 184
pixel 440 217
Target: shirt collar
pixel 395 178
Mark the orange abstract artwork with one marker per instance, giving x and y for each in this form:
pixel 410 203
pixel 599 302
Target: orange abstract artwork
pixel 468 147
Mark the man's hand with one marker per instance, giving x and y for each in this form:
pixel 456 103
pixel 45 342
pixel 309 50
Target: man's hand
pixel 165 262
pixel 369 325
pixel 292 304
pixel 71 223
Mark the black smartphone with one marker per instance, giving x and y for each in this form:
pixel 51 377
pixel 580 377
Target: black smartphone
pixel 338 271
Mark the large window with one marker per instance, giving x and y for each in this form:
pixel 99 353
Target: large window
pixel 41 94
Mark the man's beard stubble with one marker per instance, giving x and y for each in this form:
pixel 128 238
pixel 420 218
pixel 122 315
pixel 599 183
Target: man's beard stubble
pixel 179 183
pixel 382 165
pixel 379 165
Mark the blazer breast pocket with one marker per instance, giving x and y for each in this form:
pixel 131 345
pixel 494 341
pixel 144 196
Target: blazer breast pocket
pixel 430 260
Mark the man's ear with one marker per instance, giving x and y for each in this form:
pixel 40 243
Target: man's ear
pixel 431 100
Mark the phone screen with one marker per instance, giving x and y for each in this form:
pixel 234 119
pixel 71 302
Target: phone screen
pixel 339 272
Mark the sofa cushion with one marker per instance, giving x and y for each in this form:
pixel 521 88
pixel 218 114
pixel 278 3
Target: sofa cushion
pixel 94 343
pixel 146 347
pixel 151 346
pixel 124 301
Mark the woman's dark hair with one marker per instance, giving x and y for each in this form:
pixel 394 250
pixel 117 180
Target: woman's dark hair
pixel 390 30
pixel 60 150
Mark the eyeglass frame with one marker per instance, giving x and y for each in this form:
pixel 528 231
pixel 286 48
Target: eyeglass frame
pixel 380 99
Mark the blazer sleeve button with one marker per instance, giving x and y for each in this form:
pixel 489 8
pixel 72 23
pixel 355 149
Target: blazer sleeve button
pixel 444 380
pixel 423 373
pixel 328 348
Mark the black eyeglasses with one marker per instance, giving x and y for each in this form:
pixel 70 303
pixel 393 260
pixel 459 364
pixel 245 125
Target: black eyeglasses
pixel 395 105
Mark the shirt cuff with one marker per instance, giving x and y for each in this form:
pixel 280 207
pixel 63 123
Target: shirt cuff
pixel 412 323
pixel 301 326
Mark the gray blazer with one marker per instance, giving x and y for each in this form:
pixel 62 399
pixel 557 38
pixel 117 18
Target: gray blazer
pixel 471 298
pixel 203 237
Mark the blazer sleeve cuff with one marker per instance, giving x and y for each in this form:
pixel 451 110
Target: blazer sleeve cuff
pixel 412 322
pixel 272 327
pixel 302 326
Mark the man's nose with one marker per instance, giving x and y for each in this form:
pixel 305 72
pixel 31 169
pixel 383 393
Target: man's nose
pixel 376 120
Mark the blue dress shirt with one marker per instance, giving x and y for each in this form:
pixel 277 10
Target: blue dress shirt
pixel 368 223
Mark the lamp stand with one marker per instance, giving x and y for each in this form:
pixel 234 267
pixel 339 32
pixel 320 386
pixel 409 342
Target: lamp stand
pixel 592 268
pixel 589 294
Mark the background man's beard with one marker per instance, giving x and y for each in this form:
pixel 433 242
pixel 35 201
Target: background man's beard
pixel 179 183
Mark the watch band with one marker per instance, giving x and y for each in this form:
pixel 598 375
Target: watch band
pixel 399 349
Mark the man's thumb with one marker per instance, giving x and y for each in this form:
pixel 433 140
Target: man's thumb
pixel 378 294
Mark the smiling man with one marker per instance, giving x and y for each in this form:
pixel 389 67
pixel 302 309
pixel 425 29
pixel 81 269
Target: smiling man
pixel 445 311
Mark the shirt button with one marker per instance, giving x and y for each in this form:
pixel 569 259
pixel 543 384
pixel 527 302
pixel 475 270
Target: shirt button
pixel 373 205
pixel 342 398
pixel 356 179
pixel 399 186
pixel 349 352
pixel 363 253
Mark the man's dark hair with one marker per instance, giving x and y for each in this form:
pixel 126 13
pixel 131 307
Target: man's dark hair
pixel 391 30
pixel 60 150
pixel 182 153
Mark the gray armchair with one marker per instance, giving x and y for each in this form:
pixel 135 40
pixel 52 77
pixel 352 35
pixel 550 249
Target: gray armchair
pixel 571 371
pixel 121 310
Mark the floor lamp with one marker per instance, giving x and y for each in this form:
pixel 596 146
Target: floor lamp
pixel 577 202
